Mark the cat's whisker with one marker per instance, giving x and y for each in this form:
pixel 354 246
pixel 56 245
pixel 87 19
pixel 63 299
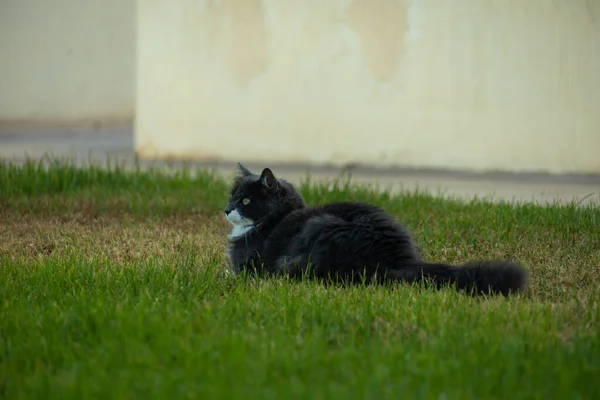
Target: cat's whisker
pixel 263 219
pixel 257 231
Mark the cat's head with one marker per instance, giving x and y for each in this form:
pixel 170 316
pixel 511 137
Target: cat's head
pixel 254 198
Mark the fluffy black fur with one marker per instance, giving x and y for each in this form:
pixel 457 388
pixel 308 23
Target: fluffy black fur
pixel 353 241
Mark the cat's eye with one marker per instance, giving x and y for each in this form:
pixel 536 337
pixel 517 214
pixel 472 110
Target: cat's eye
pixel 245 202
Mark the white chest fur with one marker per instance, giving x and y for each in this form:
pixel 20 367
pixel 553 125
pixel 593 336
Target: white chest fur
pixel 239 231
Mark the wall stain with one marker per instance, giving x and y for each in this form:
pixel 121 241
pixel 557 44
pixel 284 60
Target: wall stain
pixel 236 35
pixel 248 39
pixel 381 26
pixel 592 8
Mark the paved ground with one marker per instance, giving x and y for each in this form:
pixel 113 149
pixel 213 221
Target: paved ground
pixel 117 144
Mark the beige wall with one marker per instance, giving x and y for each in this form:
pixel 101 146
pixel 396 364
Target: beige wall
pixel 66 61
pixel 466 84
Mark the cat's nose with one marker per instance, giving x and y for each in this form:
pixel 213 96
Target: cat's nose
pixel 228 209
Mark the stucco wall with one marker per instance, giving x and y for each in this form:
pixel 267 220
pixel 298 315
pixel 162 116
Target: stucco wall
pixel 67 61
pixel 466 84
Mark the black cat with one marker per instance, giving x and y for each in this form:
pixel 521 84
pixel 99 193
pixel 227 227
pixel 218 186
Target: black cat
pixel 274 232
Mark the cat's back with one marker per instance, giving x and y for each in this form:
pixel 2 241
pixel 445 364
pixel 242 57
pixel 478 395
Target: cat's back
pixel 346 210
pixel 294 222
pixel 357 212
pixel 336 222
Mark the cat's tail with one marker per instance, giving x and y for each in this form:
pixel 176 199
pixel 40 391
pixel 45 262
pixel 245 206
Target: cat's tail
pixel 479 277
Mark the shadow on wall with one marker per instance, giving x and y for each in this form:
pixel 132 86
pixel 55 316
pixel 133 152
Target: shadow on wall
pixel 237 35
pixel 381 26
pixel 241 25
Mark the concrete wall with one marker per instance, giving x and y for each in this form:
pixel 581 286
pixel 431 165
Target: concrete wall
pixel 465 84
pixel 66 62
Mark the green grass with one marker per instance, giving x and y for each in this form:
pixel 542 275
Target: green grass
pixel 112 285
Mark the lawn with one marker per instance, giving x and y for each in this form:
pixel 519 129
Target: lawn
pixel 113 285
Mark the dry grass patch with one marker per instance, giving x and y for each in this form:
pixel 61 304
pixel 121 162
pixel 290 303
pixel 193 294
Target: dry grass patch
pixel 121 240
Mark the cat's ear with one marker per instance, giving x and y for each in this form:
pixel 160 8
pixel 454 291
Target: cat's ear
pixel 245 171
pixel 268 179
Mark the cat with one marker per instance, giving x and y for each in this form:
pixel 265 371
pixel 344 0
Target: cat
pixel 276 233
